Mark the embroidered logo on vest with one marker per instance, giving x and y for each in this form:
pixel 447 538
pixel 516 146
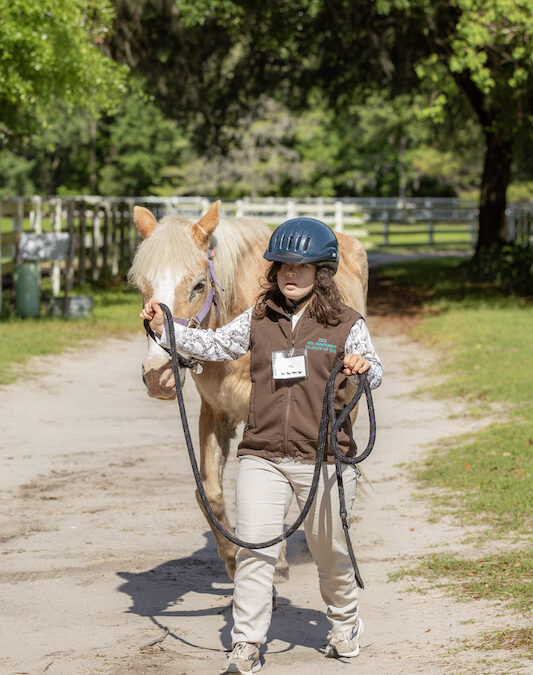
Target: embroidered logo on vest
pixel 321 345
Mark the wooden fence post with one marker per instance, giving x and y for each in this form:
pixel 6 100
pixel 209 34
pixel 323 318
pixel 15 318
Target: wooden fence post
pixel 55 275
pixel 95 242
pixel 69 270
pixel 105 247
pixel 431 225
pixel 320 209
pixel 81 253
pixel 122 237
pixel 339 216
pixel 291 209
pixel 114 243
pixel 132 230
pixel 18 217
pixel 36 224
pixel 36 215
pixel 386 227
pixel 472 225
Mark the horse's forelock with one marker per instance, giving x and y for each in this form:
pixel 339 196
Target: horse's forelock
pixel 170 247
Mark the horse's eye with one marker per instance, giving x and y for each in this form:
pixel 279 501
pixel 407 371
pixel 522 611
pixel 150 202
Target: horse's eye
pixel 199 287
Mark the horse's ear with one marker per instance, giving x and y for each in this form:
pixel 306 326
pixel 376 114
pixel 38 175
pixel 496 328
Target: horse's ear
pixel 145 221
pixel 204 228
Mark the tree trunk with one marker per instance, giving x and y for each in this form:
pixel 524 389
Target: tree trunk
pixel 493 198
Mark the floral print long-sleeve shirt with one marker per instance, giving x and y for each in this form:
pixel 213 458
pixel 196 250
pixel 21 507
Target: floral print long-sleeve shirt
pixel 232 341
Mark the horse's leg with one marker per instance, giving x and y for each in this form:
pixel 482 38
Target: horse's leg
pixel 282 566
pixel 216 431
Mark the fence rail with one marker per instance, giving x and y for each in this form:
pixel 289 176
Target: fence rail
pixel 107 236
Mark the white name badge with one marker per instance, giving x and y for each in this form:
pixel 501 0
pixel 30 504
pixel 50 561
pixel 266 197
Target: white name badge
pixel 289 365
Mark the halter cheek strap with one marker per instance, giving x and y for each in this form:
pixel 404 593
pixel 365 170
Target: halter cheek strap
pixel 211 298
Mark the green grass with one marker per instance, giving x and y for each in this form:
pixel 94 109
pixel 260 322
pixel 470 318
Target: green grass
pixel 486 351
pixel 6 224
pixel 115 313
pixel 443 280
pixel 505 577
pixel 486 480
pixel 418 237
pixel 518 638
pixel 482 340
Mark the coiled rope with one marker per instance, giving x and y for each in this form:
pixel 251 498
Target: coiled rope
pixel 329 420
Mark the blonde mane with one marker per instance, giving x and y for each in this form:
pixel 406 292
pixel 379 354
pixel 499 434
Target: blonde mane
pixel 171 246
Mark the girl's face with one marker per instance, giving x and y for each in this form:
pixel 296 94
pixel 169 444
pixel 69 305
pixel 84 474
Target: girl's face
pixel 296 281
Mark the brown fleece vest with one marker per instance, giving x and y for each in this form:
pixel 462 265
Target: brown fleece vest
pixel 284 415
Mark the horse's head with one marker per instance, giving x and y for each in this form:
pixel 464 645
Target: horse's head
pixel 171 264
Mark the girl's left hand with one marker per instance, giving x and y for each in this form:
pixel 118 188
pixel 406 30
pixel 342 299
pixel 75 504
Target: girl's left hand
pixel 355 363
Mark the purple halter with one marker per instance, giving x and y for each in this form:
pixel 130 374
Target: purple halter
pixel 211 298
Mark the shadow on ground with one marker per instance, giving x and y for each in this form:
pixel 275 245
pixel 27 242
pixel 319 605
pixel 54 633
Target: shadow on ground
pixel 160 593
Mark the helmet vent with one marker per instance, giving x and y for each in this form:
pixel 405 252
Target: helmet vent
pixel 303 240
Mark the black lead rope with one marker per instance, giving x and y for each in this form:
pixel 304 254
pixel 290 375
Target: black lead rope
pixel 328 419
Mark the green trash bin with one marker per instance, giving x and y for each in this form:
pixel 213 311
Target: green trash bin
pixel 26 289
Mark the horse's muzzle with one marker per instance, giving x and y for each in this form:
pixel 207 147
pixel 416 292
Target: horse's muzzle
pixel 159 382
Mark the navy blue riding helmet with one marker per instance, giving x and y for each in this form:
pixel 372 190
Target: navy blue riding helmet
pixel 304 240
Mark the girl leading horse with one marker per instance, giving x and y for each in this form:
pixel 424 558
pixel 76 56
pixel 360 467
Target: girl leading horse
pixel 296 331
pixel 172 264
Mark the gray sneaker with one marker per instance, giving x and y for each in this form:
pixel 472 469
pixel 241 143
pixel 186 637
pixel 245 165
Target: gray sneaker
pixel 244 658
pixel 344 642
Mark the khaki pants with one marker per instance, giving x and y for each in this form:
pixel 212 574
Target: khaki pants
pixel 264 493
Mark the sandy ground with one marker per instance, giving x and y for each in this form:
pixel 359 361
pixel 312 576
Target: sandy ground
pixel 103 545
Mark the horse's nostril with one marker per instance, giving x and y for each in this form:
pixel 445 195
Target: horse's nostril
pixel 143 376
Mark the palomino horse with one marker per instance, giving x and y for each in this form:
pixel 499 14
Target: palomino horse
pixel 172 265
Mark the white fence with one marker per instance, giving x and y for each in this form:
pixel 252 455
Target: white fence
pixel 355 215
pixel 107 237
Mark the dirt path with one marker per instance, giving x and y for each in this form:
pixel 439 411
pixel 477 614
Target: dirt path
pixel 102 542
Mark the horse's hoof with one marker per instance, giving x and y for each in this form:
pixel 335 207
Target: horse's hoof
pixel 281 574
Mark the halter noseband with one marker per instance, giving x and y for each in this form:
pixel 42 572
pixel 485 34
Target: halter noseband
pixel 211 298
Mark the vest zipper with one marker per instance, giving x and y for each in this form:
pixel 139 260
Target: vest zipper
pixel 289 393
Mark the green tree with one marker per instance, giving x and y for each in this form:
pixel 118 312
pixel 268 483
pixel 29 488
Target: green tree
pixel 260 159
pixel 488 53
pixel 136 145
pixel 51 52
pixel 15 174
pixel 346 49
pixel 391 147
pixel 125 153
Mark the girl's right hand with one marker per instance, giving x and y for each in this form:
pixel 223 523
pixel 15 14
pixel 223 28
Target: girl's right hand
pixel 154 314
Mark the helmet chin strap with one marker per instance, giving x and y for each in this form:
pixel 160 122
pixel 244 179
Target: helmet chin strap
pixel 292 305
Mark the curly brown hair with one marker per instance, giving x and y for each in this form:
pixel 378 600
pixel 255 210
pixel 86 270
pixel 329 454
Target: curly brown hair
pixel 326 304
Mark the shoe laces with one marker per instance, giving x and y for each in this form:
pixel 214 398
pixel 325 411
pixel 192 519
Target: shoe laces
pixel 336 636
pixel 242 650
pixel 339 635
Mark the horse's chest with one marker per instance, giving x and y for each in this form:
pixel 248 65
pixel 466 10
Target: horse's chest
pixel 226 387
